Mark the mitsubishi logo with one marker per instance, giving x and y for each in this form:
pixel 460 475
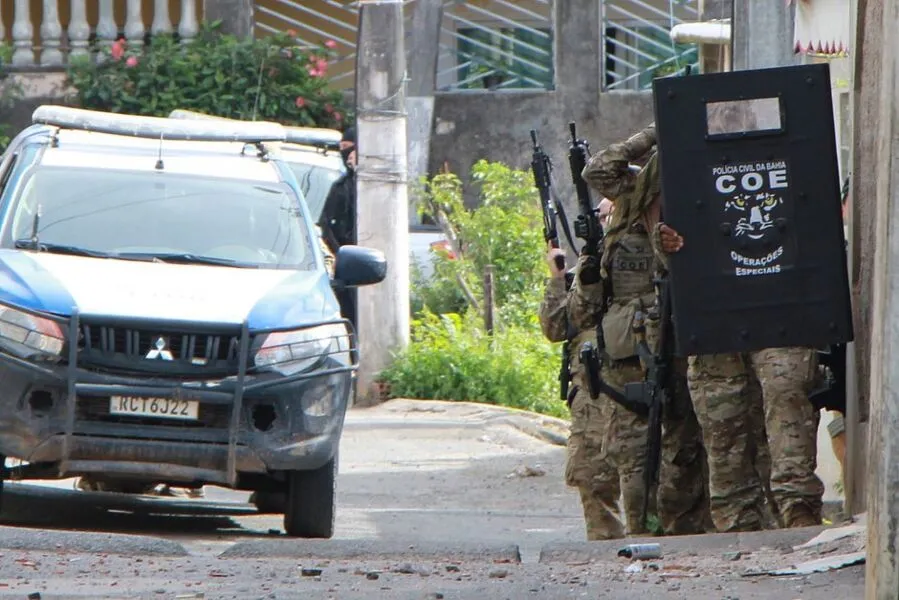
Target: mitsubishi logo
pixel 160 352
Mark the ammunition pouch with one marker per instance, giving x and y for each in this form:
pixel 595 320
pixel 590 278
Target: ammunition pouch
pixel 618 328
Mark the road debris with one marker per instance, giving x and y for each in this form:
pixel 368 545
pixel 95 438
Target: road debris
pixel 527 471
pixel 405 569
pixel 641 551
pixel 310 572
pixel 820 565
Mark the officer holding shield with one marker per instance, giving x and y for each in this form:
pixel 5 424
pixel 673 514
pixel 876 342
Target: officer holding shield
pixel 718 387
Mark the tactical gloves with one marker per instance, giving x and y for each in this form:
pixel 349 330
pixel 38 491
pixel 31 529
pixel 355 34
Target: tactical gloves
pixel 589 269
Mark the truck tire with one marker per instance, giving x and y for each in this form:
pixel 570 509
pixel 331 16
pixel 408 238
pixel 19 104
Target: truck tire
pixel 309 512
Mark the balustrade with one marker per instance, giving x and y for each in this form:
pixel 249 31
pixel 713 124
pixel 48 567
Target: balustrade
pixel 83 28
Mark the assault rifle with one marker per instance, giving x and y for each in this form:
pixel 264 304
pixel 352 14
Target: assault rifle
pixel 654 392
pixel 541 167
pixel 587 225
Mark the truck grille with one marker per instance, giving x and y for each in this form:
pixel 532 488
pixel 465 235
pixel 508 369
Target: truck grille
pixel 159 349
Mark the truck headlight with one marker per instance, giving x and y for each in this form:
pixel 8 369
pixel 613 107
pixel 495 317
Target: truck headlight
pixel 26 334
pixel 289 352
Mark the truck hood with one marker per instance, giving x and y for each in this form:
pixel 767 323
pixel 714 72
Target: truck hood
pixel 100 287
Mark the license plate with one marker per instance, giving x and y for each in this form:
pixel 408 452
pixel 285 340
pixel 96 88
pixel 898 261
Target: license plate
pixel 166 408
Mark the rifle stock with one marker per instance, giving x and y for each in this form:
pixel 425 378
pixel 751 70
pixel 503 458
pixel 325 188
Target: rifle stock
pixel 541 167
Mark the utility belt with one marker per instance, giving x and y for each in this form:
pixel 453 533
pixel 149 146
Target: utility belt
pixel 595 357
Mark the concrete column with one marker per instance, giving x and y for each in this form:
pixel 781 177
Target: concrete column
pixel 236 15
pixel 382 212
pixel 867 85
pixel 578 51
pixel 882 572
pixel 762 35
pixel 423 50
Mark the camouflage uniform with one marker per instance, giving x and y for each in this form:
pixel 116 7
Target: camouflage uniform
pixel 585 469
pixel 726 406
pixel 739 455
pixel 624 284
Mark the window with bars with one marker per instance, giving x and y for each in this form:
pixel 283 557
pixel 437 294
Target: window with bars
pixel 505 57
pixel 638 54
pixel 638 45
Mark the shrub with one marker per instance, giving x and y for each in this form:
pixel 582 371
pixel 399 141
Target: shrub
pixel 10 93
pixel 505 230
pixel 270 79
pixel 450 356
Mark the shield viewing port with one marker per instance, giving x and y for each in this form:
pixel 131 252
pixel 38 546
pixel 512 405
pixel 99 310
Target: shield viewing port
pixel 750 179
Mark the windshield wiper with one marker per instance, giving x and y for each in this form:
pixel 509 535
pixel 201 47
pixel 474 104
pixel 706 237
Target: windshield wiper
pixel 31 244
pixel 182 258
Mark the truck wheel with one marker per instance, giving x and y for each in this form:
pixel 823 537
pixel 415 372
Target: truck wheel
pixel 310 502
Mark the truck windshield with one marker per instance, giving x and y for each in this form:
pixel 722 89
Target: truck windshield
pixel 316 182
pixel 169 216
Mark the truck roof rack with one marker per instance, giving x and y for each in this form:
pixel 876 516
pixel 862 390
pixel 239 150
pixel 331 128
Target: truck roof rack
pixel 309 136
pixel 249 132
pixel 312 136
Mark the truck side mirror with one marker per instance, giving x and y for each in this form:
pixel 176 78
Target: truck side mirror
pixel 357 266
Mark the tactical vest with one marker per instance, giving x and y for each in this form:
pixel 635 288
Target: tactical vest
pixel 631 268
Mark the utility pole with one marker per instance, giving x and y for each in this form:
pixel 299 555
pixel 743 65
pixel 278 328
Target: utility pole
pixel 878 38
pixel 763 35
pixel 382 211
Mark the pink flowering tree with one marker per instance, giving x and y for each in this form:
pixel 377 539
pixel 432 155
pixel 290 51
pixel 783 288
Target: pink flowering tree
pixel 273 78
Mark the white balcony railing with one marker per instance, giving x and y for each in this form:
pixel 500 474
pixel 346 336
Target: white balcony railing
pixel 70 28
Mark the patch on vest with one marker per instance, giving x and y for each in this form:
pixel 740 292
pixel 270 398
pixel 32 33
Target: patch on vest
pixel 631 263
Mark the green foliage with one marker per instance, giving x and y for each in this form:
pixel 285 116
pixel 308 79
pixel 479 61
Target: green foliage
pixel 505 230
pixel 10 93
pixel 452 358
pixel 269 79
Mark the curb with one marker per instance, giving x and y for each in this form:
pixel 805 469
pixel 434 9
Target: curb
pixel 545 428
pixel 532 429
pixel 370 550
pixel 17 538
pixel 681 545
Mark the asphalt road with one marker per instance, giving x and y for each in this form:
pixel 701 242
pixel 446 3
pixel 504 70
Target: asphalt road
pixel 435 500
pixel 408 472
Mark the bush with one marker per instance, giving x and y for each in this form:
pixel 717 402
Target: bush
pixel 451 357
pixel 269 79
pixel 505 230
pixel 10 93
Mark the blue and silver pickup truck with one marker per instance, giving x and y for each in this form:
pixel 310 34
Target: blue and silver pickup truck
pixel 165 311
